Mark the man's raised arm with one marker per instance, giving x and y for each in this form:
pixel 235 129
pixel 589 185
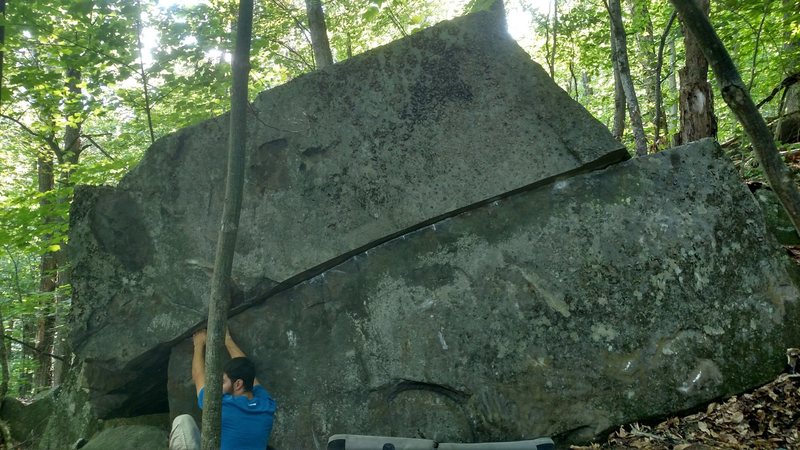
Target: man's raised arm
pixel 235 351
pixel 199 360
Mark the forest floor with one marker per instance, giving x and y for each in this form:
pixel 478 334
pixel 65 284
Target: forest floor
pixel 765 418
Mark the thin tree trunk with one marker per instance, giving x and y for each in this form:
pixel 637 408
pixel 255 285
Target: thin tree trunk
pixel 673 86
pixel 619 96
pixel 587 87
pixel 218 304
pixel 755 50
pixel 644 38
pixel 3 359
pixel 573 79
pixel 60 344
pixel 2 42
pixel 696 97
pixel 26 384
pixel 555 40
pixel 144 74
pixel 621 56
pixel 735 94
pixel 662 118
pixel 319 34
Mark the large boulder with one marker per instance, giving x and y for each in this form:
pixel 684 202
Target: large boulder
pixel 337 161
pixel 630 293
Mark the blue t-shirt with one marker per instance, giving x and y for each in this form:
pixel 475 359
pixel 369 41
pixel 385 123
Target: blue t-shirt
pixel 246 423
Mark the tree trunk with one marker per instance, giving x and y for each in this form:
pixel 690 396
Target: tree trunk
pixel 661 122
pixel 673 86
pixel 555 40
pixel 646 54
pixel 48 268
pixel 735 94
pixel 2 41
pixel 550 52
pixel 60 344
pixel 619 97
pixel 696 97
pixel 319 34
pixel 3 358
pixel 587 87
pixel 144 73
pixel 218 304
pixel 621 58
pixel 573 79
pixel 26 384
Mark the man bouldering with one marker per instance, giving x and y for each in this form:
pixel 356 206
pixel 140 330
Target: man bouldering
pixel 247 408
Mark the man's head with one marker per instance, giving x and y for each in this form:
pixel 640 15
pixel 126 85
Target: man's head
pixel 238 375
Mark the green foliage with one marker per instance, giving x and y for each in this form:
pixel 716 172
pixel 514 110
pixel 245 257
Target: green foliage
pixel 478 5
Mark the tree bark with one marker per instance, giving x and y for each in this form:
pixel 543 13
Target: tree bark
pixel 735 94
pixel 621 57
pixel 2 42
pixel 673 86
pixel 219 300
pixel 550 53
pixel 144 74
pixel 587 87
pixel 48 268
pixel 319 34
pixel 555 40
pixel 3 359
pixel 696 97
pixel 619 96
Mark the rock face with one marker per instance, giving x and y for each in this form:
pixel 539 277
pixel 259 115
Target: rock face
pixel 338 161
pixel 643 289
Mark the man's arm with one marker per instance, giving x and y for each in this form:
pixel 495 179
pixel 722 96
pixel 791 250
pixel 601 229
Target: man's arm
pixel 235 351
pixel 199 360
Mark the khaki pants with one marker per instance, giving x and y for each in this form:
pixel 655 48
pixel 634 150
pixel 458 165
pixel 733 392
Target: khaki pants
pixel 184 435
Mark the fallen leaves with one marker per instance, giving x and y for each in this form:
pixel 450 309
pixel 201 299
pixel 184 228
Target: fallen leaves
pixel 765 418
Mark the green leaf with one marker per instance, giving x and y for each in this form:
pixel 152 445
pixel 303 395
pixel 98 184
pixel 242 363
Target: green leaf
pixel 371 12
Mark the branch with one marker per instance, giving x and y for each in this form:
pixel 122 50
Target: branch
pixel 301 59
pixel 33 347
pixel 47 139
pixel 303 28
pixel 788 81
pixel 755 51
pixel 396 22
pixel 89 137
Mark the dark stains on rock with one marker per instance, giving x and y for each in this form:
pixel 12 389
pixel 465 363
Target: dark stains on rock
pixel 118 228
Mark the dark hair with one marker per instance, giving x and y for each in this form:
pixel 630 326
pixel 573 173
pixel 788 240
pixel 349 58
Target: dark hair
pixel 243 369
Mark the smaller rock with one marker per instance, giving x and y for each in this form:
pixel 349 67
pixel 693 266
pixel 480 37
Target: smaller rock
pixel 778 222
pixel 129 437
pixel 26 421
